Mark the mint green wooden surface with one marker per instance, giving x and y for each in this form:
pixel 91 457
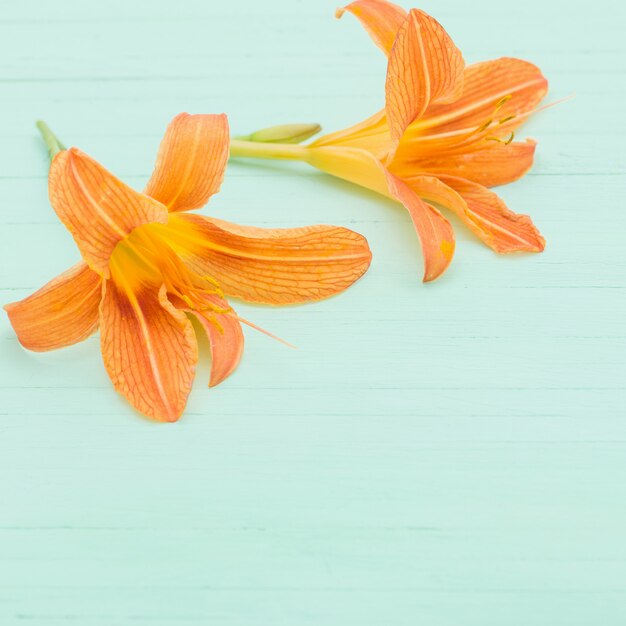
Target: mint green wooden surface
pixel 447 455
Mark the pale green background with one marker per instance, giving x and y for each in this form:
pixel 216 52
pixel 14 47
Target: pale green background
pixel 447 455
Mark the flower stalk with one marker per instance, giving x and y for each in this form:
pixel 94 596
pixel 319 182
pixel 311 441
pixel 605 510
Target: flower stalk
pixel 52 142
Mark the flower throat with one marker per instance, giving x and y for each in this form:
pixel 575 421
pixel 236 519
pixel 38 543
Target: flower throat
pixel 146 258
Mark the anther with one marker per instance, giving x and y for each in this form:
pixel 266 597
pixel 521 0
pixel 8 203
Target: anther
pixel 187 300
pixel 503 101
pixel 504 120
pixel 506 141
pixel 484 126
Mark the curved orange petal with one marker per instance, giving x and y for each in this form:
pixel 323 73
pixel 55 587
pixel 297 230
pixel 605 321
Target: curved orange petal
pixel 431 189
pixel 381 19
pixel 191 161
pixel 424 67
pixel 226 340
pixel 61 313
pixel 273 266
pixel 149 349
pixel 362 168
pixel 433 229
pixel 96 207
pixel 496 164
pixel 485 87
pixel 490 219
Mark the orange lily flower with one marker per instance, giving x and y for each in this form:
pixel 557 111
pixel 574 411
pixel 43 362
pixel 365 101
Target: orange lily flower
pixel 444 136
pixel 148 267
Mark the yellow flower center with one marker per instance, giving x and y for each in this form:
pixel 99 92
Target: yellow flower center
pixel 146 259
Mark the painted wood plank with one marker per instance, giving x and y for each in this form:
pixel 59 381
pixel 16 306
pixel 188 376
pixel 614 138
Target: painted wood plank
pixel 449 455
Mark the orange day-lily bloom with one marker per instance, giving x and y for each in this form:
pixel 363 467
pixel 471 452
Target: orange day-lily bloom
pixel 444 136
pixel 148 267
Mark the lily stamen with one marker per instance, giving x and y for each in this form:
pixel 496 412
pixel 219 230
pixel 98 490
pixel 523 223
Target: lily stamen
pixel 500 103
pixel 504 120
pixel 505 142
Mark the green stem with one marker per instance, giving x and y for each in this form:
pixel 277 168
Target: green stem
pixel 258 150
pixel 51 140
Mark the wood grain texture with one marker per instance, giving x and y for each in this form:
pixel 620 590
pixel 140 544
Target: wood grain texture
pixel 451 454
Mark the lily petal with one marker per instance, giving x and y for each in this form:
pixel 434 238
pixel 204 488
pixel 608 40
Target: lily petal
pixel 191 161
pixel 226 340
pixel 492 90
pixel 433 229
pixel 149 350
pixel 61 313
pixel 496 164
pixel 96 207
pixel 492 221
pixel 381 19
pixel 362 168
pixel 272 266
pixel 425 67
